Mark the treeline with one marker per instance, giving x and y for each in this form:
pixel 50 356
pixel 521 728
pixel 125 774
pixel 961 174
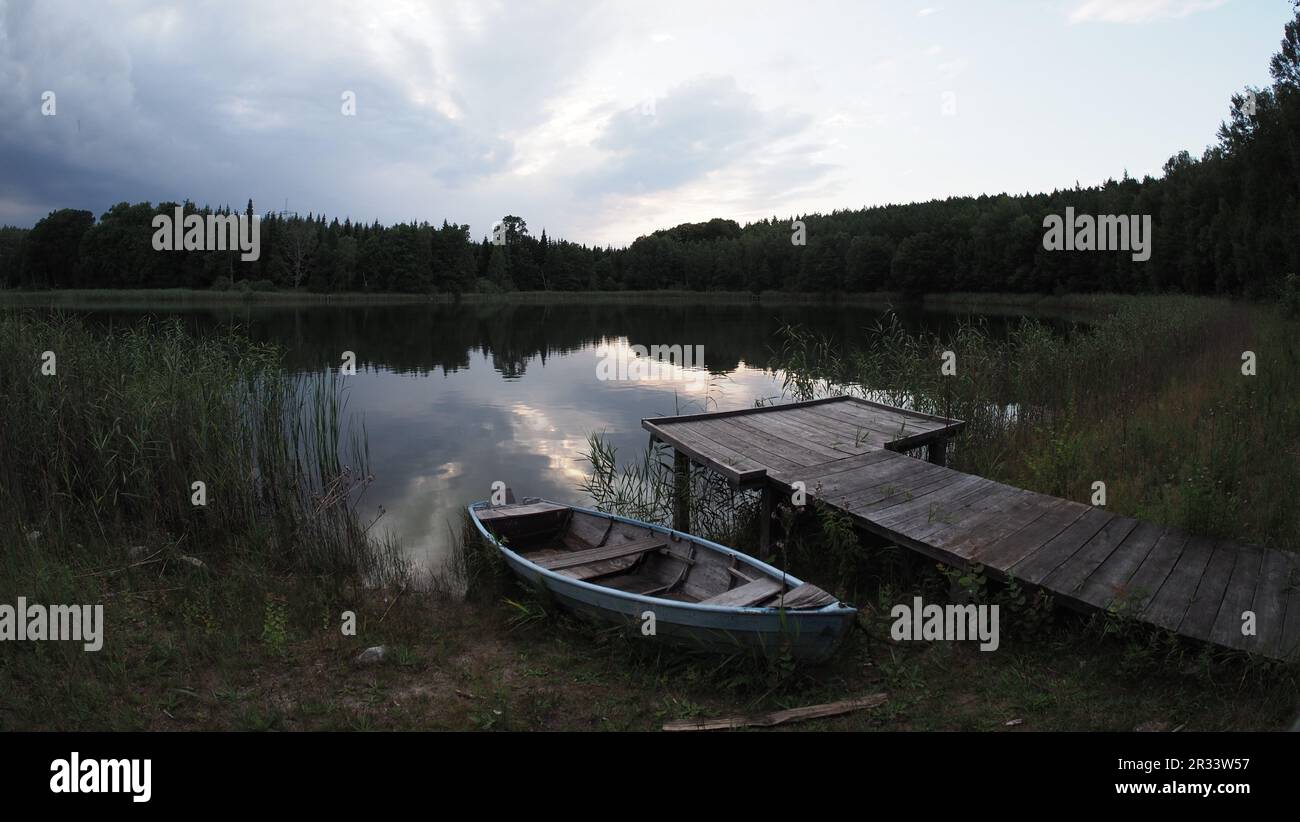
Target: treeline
pixel 1223 223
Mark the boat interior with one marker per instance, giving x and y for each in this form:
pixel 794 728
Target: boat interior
pixel 640 560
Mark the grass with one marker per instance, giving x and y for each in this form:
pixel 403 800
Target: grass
pixel 97 505
pixel 1149 399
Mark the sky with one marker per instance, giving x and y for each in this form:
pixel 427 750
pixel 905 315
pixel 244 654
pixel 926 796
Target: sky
pixel 600 122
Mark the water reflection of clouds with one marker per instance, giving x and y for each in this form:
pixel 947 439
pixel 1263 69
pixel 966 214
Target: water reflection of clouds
pixel 438 442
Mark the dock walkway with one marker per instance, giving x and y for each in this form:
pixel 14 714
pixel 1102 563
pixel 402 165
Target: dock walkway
pixel 847 453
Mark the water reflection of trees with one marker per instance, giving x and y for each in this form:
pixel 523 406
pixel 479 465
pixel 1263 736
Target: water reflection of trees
pixel 421 339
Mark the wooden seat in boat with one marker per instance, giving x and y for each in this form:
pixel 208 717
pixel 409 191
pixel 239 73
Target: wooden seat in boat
pixel 806 596
pixel 751 593
pixel 573 559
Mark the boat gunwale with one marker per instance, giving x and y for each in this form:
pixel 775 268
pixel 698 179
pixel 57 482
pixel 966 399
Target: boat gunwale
pixel 835 608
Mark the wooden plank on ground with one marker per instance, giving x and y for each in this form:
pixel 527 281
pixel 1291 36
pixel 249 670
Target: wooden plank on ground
pixel 778 717
pixel 1147 580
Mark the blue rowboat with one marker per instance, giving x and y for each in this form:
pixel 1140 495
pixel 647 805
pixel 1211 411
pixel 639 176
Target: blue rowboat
pixel 664 584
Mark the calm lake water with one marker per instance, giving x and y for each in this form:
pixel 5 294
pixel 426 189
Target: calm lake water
pixel 455 397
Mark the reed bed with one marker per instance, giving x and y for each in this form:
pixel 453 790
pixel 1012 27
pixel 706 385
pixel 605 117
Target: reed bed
pixel 104 453
pixel 1149 399
pixel 646 489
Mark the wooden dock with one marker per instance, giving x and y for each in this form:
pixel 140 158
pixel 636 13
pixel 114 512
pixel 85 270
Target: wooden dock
pixel 847 453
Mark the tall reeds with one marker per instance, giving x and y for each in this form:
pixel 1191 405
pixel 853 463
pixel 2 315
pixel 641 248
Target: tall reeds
pixel 1150 399
pixel 108 450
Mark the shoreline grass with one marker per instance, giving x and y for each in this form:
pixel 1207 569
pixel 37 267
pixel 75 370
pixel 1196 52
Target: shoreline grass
pixel 1150 400
pixel 98 505
pixel 992 302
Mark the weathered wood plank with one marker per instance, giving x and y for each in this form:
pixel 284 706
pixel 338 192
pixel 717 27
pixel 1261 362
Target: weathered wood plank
pixel 817 434
pixel 794 452
pixel 1036 566
pixel 772 427
pixel 843 432
pixel 719 433
pixel 802 596
pixel 1070 574
pixel 988 510
pixel 781 428
pixel 1112 575
pixel 736 467
pixel 895 490
pixel 1238 597
pixel 605 552
pixel 1163 587
pixel 877 425
pixel 1270 604
pixel 968 537
pixel 851 471
pixel 522 509
pixel 747 594
pixel 1147 580
pixel 926 503
pixel 1014 547
pixel 924 510
pixel 1203 609
pixel 777 717
pixel 844 484
pixel 898 431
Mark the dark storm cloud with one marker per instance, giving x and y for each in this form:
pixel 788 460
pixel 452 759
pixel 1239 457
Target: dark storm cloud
pixel 219 102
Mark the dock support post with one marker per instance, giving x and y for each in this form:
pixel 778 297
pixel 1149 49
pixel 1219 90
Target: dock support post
pixel 765 523
pixel 681 491
pixel 937 451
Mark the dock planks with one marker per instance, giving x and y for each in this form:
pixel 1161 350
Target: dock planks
pixel 846 452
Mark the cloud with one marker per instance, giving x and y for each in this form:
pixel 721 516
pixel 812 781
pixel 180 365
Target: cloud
pixel 1138 11
pixel 697 128
pixel 192 101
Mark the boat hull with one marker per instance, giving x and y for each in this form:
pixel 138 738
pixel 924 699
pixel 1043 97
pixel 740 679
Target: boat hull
pixel 808 635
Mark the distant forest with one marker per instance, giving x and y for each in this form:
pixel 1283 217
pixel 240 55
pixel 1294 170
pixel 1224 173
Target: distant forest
pixel 1226 223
